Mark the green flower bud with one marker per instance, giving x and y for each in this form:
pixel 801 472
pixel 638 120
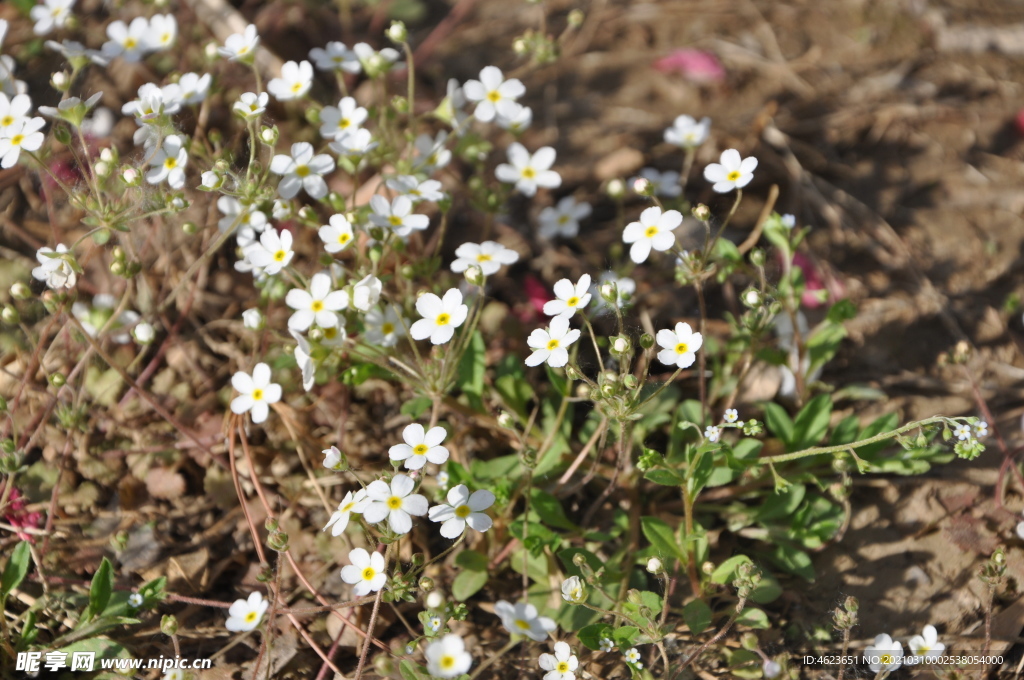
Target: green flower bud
pixel 575 18
pixel 20 291
pixel 647 341
pixel 10 315
pixel 397 32
pixel 169 625
pixel 58 380
pixel 702 212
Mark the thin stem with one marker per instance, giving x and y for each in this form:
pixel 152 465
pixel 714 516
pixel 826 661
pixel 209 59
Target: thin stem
pixel 593 337
pixel 373 620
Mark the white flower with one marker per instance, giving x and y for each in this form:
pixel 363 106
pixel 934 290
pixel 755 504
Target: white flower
pixel 367 572
pixel 173 674
pixel 169 163
pixel 163 31
pixel 493 93
pixel 613 289
pixel 569 297
pixel 488 256
pixel 135 600
pixel 396 501
pixel 430 152
pixel 352 502
pixel 15 111
pixel 551 345
pixel 408 185
pixel 256 392
pixel 354 145
pixel 144 333
pixel 294 83
pixel 366 292
pixel 342 119
pixel 884 653
pixel 251 105
pixel 384 328
pixel 633 657
pixel 1020 529
pixel 373 62
pixel 463 508
pixel 731 172
pixel 129 42
pixel 397 215
pixel 447 657
pixel 522 619
pixel 272 253
pixel 72 50
pixel 304 360
pixel 453 105
pixel 420 447
pixel 302 170
pixel 434 600
pixel 712 432
pixel 24 134
pixel 654 230
pixel 442 479
pixel 246 218
pixel 433 624
pixel 334 57
pixel 731 415
pixel 962 431
pixel 441 316
pixel 515 118
pixel 606 644
pixel 333 460
pixel 240 46
pixel 687 132
pixel 561 665
pixel 10 85
pixel 788 221
pixel 573 590
pixel 319 304
pixel 152 103
pixel 529 172
pixel 50 14
pixel 925 646
pixel 771 668
pixel 665 184
pixel 679 346
pixel 55 267
pixel 980 429
pixel 245 615
pixel 654 566
pixel 194 87
pixel 564 219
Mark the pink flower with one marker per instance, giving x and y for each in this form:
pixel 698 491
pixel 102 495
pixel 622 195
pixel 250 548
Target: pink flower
pixel 695 65
pixel 538 295
pixel 814 282
pixel 17 517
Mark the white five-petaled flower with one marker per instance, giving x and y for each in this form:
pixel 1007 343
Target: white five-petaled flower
pixel 463 508
pixel 606 644
pixel 687 132
pixel 924 647
pixel 194 87
pixel 441 316
pixel 23 134
pixel 731 415
pixel 980 429
pixel 679 346
pixel 396 502
pixel 962 431
pixel 563 219
pixel 163 31
pixel 384 328
pixel 336 56
pixel 345 118
pixel 884 654
pixel 294 83
pixel 15 110
pixel 420 447
pixel 256 392
pixel 397 215
pixel 527 171
pixel 352 502
pixel 447 657
pixel 169 163
pixel 50 14
pixel 731 172
pixel 515 119
pixel 665 184
pixel 488 256
pixel 523 619
pixel 241 46
pixel 367 572
pixel 251 105
pixel 569 297
pixel 632 656
pixel 319 304
pixel 135 600
pixel 127 41
pixel 573 590
pixel 493 93
pixel 245 615
pixel 551 345
pixel 409 185
pixel 712 432
pixel 273 252
pixel 654 230
pixel 430 152
pixel 354 145
pixel 337 235
pixel 561 665
pixel 55 267
pixel 302 170
pixel 333 458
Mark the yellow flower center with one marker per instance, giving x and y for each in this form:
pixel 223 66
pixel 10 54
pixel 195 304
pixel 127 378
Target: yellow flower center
pixel 6 120
pixel 330 333
pixel 348 506
pixel 369 573
pixel 420 449
pixel 682 348
pixel 296 87
pixel 564 219
pixel 387 328
pixel 529 173
pixel 573 301
pixel 447 662
pixel 650 232
pixel 887 659
pixel 16 140
pixel 522 625
pixel 243 49
pixel 165 38
pixel 483 257
pixel 562 667
pixel 343 238
pixel 552 343
pixel 395 502
pixel 251 616
pixel 462 511
pixel 317 306
pixel 302 170
pixel 344 123
pixel 257 394
pixel 280 255
pixel 443 319
pixel 170 163
pixel 494 96
pixel 130 43
pixel 395 221
pixel 733 176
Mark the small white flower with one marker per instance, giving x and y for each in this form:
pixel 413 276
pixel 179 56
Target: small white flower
pixel 523 619
pixel 252 319
pixel 430 152
pixel 655 566
pixel 687 132
pixel 173 674
pixel 561 665
pixel 318 305
pixel 367 572
pixel 24 134
pixel 397 215
pixel 396 502
pixel 654 230
pixel 302 170
pixel 731 415
pixel 336 56
pixel 15 111
pixel 55 267
pixel 551 345
pixel 884 653
pixel 366 292
pixel 408 185
pixel 194 87
pixel 606 644
pixel 447 657
pixel 573 590
pixel 343 119
pixel 442 479
pixel 771 669
pixel 664 184
pixel 169 163
pixel 569 297
pixel 493 93
pixel 50 14
pixel 527 171
pixel 333 459
pixel 632 656
pixel 272 253
pixel 441 316
pixel 354 145
pixel 788 221
pixel 463 508
pixel 251 105
pixel 135 600
pixel 711 433
pixel 488 256
pixel 294 83
pixel 256 392
pixel 384 328
pixel 924 647
pixel 516 118
pixel 163 31
pixel 962 431
pixel 127 41
pixel 420 446
pixel 433 624
pixel 564 219
pixel 337 235
pixel 240 46
pixel 245 615
pixel 679 346
pixel 731 172
pixel 980 429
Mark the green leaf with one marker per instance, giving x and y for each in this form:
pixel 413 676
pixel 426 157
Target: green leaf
pixel 470 375
pixel 661 536
pixel 496 468
pixel 793 560
pixel 753 617
pixel 664 477
pixel 409 670
pixel 845 432
pixel 812 422
pixel 550 510
pixel 414 408
pixel 468 583
pixel 102 586
pixel 625 636
pixel 591 635
pixel 16 569
pixel 726 571
pixel 778 422
pixel 782 503
pixel 472 560
pixel 844 310
pixel 883 424
pixel 512 386
pixel 697 616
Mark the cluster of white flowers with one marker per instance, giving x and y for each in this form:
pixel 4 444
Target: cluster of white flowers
pixel 886 654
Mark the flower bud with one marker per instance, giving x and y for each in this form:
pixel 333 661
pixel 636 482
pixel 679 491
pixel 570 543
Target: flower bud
pixel 169 625
pixel 575 18
pixel 58 380
pixel 117 268
pixel 316 334
pixel 771 669
pixel 435 599
pixel 60 81
pixel 252 319
pixel 397 32
pixel 654 566
pixel 579 559
pixel 144 333
pixel 475 276
pixel 621 345
pixel 20 291
pixel 107 156
pixel 505 420
pixel 609 293
pixel 131 176
pixel 702 212
pixel 630 381
pixel 647 341
pixel 520 47
pixel 426 584
pixel 751 297
pixel 270 135
pixel 212 180
pixel 643 187
pixel 708 568
pixel 10 315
